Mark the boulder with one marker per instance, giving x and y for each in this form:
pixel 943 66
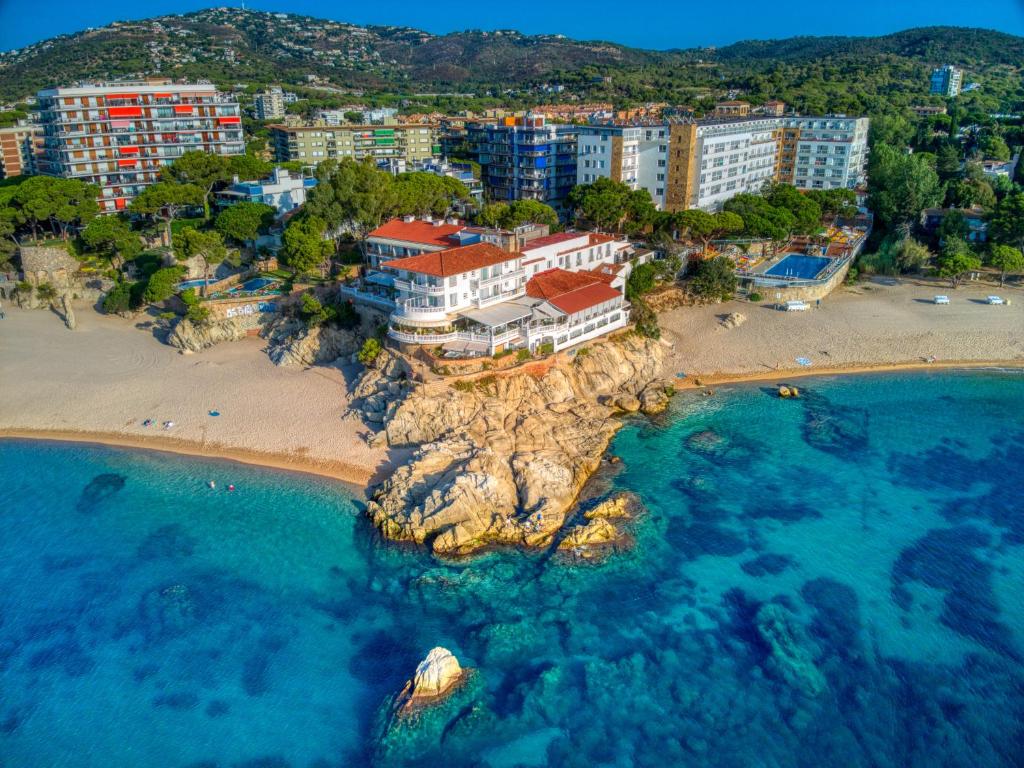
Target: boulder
pixel 617 506
pixel 189 337
pixel 628 403
pixel 292 344
pixel 787 392
pixel 598 532
pixel 436 676
pixel 734 320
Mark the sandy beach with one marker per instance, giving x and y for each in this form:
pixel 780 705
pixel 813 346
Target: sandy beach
pixel 882 324
pixel 99 383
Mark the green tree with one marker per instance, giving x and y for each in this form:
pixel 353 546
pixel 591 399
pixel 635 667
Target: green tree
pixel 761 218
pixel 697 224
pixel 247 167
pixel 901 186
pixel 243 222
pixel 715 279
pixel 61 203
pixel 954 225
pixel 203 169
pixel 206 246
pixel 956 260
pixel 369 352
pixel 522 212
pixel 492 214
pixel 994 148
pixel 1007 221
pixel 912 256
pixel 162 284
pixel 112 236
pixel 118 299
pixel 835 202
pixel 603 202
pixel 1007 259
pixel 641 281
pixel 303 245
pixel 949 161
pixel 806 212
pixel 165 200
pixel 353 196
pixel 421 194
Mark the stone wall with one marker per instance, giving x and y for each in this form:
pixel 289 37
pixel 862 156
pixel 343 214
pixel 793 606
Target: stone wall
pixel 48 264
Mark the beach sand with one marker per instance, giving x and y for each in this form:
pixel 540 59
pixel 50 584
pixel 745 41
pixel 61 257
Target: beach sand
pixel 882 324
pixel 99 383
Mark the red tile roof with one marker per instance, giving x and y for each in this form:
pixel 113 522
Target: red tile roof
pixel 555 282
pixel 571 292
pixel 452 261
pixel 584 298
pixel 422 232
pixel 560 237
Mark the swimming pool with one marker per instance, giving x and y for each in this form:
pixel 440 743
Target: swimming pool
pixel 255 284
pixel 799 267
pixel 184 285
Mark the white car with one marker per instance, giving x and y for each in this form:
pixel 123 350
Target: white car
pixel 942 299
pixel 994 300
pixel 796 306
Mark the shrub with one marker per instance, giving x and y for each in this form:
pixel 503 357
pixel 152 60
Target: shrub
pixel 715 279
pixel 523 355
pixel 118 299
pixel 369 352
pixel 502 353
pixel 547 348
pixel 198 314
pixel 645 320
pixel 161 284
pixel 463 386
pixel 24 288
pixel 755 296
pixel 46 292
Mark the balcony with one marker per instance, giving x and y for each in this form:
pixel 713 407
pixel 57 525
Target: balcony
pixel 417 309
pixel 411 286
pixel 513 275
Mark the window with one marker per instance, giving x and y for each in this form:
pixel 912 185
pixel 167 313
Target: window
pixel 661 177
pixel 659 191
pixel 452 281
pixel 453 299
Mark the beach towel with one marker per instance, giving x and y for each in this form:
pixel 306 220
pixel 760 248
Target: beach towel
pixel 803 361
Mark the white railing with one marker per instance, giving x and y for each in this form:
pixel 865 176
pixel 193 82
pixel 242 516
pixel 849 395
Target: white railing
pixel 411 286
pixel 417 310
pixel 443 338
pixel 514 275
pixel 369 298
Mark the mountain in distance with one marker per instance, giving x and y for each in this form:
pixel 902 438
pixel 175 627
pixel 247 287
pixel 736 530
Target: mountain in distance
pixel 230 45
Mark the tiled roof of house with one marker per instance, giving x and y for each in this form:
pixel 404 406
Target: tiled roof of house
pixel 583 298
pixel 571 292
pixel 452 261
pixel 422 232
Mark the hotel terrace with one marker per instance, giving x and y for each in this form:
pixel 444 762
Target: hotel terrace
pixel 479 298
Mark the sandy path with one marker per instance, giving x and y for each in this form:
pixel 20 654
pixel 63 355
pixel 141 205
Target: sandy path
pixel 883 323
pixel 103 379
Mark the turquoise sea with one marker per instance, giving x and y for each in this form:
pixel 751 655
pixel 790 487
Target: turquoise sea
pixel 832 581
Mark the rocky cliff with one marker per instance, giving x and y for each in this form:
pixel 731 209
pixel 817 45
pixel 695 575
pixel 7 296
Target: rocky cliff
pixel 190 337
pixel 501 459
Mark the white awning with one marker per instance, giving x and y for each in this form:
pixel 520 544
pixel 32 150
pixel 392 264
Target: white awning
pixel 498 315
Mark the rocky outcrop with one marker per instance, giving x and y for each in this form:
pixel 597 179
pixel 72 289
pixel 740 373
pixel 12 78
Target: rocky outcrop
pixel 189 337
pixel 436 676
pixel 383 385
pixel 69 313
pixel 599 533
pixel 291 343
pixel 501 459
pixel 787 392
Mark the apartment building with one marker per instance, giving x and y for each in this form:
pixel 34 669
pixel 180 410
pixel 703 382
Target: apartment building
pixel 313 144
pixel 947 81
pixel 19 145
pixel 526 158
pixel 824 152
pixel 637 156
pixel 702 163
pixel 269 105
pixel 560 290
pixel 118 135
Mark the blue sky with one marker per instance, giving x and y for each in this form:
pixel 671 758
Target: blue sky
pixel 667 24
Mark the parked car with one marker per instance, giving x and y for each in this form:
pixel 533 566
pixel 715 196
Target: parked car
pixel 796 306
pixel 994 300
pixel 942 299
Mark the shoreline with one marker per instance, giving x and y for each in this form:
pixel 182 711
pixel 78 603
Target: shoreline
pixel 840 370
pixel 358 479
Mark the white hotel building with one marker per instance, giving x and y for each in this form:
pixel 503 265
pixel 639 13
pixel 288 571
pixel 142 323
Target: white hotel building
pixel 561 290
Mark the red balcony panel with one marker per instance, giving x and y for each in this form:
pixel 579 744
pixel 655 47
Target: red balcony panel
pixel 126 163
pixel 183 109
pixel 124 111
pixel 128 150
pixel 230 120
pixel 120 203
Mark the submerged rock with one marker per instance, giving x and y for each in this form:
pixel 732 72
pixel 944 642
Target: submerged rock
pixel 789 657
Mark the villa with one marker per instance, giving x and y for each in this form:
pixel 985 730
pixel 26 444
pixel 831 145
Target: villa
pixel 282 191
pixel 557 290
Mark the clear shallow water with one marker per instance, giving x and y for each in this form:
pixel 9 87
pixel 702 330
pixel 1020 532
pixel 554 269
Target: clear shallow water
pixel 832 581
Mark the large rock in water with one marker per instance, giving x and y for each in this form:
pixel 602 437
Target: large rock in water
pixel 501 462
pixel 189 337
pixel 435 676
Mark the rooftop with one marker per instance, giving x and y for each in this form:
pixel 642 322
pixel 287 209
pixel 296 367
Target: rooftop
pixel 418 231
pixel 560 237
pixel 452 261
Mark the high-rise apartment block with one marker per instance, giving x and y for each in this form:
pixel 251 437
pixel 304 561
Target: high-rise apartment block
pixel 313 144
pixel 703 163
pixel 269 105
pixel 947 81
pixel 526 158
pixel 118 135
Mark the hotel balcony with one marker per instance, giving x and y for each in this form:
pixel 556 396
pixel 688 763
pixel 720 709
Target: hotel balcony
pixel 411 286
pixel 418 310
